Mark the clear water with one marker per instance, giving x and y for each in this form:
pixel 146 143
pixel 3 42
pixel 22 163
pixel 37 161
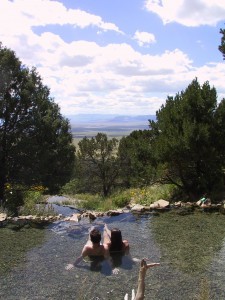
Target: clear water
pixel 43 274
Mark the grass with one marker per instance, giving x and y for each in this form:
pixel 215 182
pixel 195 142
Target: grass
pixel 204 293
pixel 120 199
pixel 189 242
pixel 15 244
pixel 94 202
pixel 34 205
pixel 151 194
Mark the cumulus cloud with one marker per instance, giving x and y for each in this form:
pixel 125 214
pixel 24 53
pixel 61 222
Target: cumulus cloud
pixel 144 38
pixel 20 15
pixel 119 78
pixel 85 77
pixel 188 13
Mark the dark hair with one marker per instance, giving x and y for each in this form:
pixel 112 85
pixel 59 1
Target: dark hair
pixel 95 236
pixel 116 240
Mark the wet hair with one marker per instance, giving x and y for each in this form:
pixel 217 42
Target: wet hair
pixel 116 240
pixel 95 236
pixel 117 258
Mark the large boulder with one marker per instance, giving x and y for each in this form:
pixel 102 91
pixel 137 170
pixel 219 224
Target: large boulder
pixel 138 208
pixel 160 204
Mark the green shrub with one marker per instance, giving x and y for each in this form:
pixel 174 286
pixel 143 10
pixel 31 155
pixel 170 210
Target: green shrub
pixel 32 206
pixel 145 196
pixel 90 202
pixel 122 199
pixel 14 199
pixel 70 188
pixel 150 194
pixel 95 202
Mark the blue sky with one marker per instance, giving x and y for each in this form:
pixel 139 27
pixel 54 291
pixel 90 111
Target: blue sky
pixel 116 56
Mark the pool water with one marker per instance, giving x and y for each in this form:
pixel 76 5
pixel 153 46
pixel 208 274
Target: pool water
pixel 43 274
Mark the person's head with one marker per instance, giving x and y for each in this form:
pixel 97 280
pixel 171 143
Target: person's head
pixel 116 240
pixel 95 236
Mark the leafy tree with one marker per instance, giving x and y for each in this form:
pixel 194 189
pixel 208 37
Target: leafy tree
pixel 35 139
pixel 222 45
pixel 98 163
pixel 220 131
pixel 137 166
pixel 185 142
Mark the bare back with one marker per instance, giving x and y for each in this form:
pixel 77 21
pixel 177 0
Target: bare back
pixel 91 249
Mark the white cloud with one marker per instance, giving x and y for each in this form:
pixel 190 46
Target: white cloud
pixel 117 78
pixel 188 13
pixel 144 38
pixel 85 77
pixel 22 15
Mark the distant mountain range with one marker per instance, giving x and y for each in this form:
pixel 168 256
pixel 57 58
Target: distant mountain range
pixel 111 124
pixel 108 118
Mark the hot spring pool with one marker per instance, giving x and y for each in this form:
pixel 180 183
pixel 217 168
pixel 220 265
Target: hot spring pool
pixel 43 274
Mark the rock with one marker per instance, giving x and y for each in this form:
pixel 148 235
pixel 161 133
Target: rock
pixel 85 215
pixel 138 208
pixel 19 221
pixel 100 214
pixel 114 212
pixel 3 219
pixel 163 203
pixel 29 217
pixel 75 217
pixel 92 216
pixel 160 204
pixel 211 208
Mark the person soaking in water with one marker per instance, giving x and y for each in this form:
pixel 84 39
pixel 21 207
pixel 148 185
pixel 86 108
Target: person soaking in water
pixel 93 248
pixel 113 240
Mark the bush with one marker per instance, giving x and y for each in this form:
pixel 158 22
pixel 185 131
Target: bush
pixel 32 206
pixel 96 202
pixel 122 199
pixel 14 199
pixel 71 188
pixel 30 200
pixel 148 195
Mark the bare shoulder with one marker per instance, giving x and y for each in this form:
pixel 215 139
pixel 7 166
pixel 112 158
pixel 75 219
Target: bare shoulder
pixel 106 246
pixel 126 242
pixel 86 250
pixel 126 245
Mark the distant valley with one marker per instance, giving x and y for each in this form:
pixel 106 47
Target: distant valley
pixel 113 125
